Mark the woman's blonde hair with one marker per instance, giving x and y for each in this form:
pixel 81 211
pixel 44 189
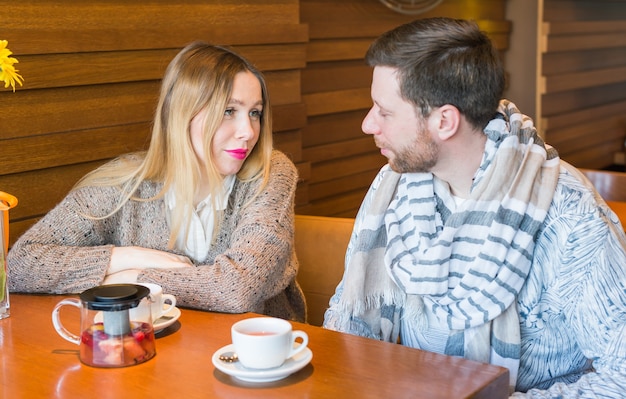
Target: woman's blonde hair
pixel 200 77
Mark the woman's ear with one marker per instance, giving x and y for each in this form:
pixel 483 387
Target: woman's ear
pixel 445 121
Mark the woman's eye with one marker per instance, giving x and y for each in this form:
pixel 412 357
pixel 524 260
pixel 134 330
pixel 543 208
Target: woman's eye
pixel 229 112
pixel 256 114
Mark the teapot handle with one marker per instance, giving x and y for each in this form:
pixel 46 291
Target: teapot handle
pixel 56 321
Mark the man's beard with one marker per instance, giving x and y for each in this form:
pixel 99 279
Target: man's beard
pixel 418 157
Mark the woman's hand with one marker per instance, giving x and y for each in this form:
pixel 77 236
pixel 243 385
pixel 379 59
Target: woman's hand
pixel 128 276
pixel 139 258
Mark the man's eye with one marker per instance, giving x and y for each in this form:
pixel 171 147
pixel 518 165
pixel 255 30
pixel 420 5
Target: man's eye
pixel 256 114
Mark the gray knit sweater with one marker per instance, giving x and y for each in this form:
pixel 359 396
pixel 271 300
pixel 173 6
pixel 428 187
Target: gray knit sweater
pixel 252 265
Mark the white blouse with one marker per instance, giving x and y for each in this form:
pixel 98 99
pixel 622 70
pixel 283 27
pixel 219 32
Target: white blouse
pixel 200 229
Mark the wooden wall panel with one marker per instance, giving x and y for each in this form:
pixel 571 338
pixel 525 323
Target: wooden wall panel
pixel 336 91
pixel 582 83
pixel 92 71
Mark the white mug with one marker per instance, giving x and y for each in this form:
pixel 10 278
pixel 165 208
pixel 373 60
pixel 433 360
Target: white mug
pixel 160 303
pixel 266 342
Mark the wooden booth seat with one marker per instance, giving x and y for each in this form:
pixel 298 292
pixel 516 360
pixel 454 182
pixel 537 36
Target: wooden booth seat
pixel 321 244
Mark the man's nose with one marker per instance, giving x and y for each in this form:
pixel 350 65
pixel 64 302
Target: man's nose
pixel 369 125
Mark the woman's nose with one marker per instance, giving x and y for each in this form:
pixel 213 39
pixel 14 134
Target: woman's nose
pixel 245 129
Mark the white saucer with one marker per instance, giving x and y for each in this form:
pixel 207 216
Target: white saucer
pixel 166 320
pixel 237 370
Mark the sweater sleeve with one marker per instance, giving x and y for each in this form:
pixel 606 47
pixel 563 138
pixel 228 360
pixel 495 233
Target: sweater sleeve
pixel 64 252
pixel 253 258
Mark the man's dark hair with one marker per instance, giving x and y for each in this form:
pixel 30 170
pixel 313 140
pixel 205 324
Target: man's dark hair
pixel 443 61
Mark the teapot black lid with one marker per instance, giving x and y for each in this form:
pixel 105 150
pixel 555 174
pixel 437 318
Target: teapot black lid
pixel 114 297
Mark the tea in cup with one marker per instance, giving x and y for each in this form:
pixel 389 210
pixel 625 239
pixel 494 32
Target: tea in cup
pixel 266 342
pixel 160 303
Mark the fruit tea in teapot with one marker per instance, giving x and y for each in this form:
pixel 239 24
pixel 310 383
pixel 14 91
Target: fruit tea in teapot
pixel 110 336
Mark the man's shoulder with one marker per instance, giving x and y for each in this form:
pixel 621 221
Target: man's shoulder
pixel 573 186
pixel 573 195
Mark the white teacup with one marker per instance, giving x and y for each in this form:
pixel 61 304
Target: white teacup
pixel 160 303
pixel 266 342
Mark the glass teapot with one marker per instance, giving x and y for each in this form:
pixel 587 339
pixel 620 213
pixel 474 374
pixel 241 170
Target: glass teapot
pixel 116 325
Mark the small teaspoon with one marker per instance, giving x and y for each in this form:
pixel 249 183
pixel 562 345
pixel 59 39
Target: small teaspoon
pixel 229 357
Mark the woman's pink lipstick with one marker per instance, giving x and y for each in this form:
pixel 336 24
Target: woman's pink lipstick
pixel 239 153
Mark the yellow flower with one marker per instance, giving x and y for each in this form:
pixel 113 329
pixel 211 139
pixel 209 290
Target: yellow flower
pixel 8 73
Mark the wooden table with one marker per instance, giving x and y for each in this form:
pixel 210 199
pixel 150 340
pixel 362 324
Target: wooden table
pixel 35 362
pixel 619 208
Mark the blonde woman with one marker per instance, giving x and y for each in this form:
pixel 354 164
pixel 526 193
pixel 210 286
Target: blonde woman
pixel 206 212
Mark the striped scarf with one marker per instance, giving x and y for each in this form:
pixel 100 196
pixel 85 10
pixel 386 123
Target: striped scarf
pixel 465 266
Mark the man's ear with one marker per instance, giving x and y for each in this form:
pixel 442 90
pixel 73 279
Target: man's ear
pixel 444 121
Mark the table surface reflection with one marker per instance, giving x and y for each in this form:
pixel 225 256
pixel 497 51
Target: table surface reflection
pixel 619 207
pixel 37 363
